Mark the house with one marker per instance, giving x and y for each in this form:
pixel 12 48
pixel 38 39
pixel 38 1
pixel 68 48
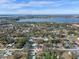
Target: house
pixel 1 46
pixel 9 57
pixel 67 55
pixel 77 41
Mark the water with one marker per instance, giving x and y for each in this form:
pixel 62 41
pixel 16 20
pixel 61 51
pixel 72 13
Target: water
pixel 60 20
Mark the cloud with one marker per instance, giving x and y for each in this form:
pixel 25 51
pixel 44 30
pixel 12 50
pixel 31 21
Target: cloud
pixel 45 11
pixel 39 6
pixel 6 1
pixel 14 6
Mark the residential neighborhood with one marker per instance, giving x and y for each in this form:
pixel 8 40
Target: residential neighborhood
pixel 39 40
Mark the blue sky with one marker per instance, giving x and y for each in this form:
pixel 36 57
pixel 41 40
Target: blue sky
pixel 39 6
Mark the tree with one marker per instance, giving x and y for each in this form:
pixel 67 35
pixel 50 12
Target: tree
pixel 21 42
pixel 49 55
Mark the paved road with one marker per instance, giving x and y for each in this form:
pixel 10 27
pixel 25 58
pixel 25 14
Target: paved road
pixel 68 49
pixel 65 49
pixel 11 49
pixel 48 48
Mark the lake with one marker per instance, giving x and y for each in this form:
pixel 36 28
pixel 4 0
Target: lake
pixel 59 20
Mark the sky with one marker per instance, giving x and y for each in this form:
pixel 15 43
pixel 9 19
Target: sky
pixel 39 6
